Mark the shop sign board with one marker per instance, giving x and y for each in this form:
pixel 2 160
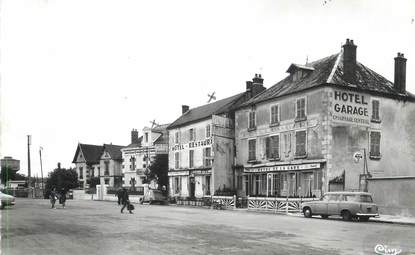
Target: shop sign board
pixel 351 108
pixel 178 173
pixel 190 145
pixel 202 172
pixel 281 168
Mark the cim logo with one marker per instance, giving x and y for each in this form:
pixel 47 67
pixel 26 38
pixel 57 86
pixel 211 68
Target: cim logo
pixel 385 250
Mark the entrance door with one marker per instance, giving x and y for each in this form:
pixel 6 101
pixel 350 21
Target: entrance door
pixel 192 186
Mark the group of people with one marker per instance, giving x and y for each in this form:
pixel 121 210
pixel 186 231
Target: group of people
pixel 55 195
pixel 124 200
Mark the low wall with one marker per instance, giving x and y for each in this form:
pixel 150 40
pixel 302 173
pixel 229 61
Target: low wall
pixel 82 195
pixel 394 196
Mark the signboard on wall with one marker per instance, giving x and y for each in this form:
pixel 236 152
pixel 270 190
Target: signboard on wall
pixel 282 168
pixel 350 108
pixel 177 173
pixel 203 143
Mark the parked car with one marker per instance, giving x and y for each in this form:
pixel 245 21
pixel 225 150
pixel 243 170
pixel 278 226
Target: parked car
pixel 346 204
pixel 6 200
pixel 154 196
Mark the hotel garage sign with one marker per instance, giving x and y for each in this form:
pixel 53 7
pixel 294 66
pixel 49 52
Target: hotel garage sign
pixel 350 108
pixel 191 145
pixel 282 168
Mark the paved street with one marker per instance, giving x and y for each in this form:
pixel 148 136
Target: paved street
pixel 89 227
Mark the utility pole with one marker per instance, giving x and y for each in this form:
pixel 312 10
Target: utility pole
pixel 29 138
pixel 41 168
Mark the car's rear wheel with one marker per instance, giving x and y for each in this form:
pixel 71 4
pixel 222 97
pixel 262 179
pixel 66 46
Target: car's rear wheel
pixel 324 216
pixel 363 218
pixel 346 215
pixel 307 212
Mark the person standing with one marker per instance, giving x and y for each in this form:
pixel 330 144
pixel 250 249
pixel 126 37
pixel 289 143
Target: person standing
pixel 62 198
pixel 125 200
pixel 118 194
pixel 52 197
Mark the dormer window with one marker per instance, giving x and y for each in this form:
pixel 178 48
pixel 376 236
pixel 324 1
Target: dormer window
pixel 299 72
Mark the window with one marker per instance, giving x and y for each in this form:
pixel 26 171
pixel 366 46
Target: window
pixel 191 134
pixel 191 158
pixel 176 160
pixel 207 186
pixel 208 131
pixel 176 137
pixel 375 111
pixel 107 181
pixel 81 172
pixel 252 121
pixel 300 109
pixel 177 185
pixel 132 160
pixel 375 144
pixel 107 168
pixel 207 157
pixel 272 147
pixel 300 143
pixel 146 137
pixel 252 149
pixel 274 115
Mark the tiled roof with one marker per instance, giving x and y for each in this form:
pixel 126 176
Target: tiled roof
pixel 92 153
pixel 204 111
pixel 135 145
pixel 114 151
pixel 329 71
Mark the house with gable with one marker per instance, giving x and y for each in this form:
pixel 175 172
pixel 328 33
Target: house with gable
pixel 332 124
pixel 109 171
pixel 87 162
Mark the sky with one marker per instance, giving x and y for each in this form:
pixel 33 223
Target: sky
pixel 90 71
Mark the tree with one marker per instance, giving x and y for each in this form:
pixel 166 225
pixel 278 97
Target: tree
pixel 93 182
pixel 159 169
pixel 62 178
pixel 7 174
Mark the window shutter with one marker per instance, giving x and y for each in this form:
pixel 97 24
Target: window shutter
pixel 268 147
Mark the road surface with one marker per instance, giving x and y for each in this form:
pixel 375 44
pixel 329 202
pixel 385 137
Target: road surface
pixel 93 227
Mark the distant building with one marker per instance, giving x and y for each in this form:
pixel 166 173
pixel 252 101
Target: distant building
pixel 139 155
pixel 304 135
pixel 13 164
pixel 109 170
pixel 201 146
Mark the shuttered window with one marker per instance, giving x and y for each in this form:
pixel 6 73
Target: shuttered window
pixel 375 110
pixel 274 114
pixel 300 107
pixel 176 160
pixel 251 118
pixel 207 156
pixel 300 143
pixel 272 145
pixel 208 131
pixel 191 158
pixel 374 144
pixel 251 149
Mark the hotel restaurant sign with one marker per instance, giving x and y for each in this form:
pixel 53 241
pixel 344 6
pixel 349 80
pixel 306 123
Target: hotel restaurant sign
pixel 265 169
pixel 191 145
pixel 350 108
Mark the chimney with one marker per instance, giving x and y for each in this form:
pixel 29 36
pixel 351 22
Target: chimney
pixel 185 108
pixel 134 136
pixel 400 73
pixel 255 86
pixel 349 61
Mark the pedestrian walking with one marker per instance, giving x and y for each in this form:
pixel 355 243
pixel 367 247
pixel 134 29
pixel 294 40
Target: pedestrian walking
pixel 53 197
pixel 62 198
pixel 125 200
pixel 118 194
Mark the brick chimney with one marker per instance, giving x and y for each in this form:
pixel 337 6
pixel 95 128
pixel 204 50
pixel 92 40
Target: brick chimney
pixel 134 136
pixel 400 73
pixel 255 86
pixel 185 108
pixel 349 61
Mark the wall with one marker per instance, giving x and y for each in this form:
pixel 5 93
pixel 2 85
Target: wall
pixel 315 110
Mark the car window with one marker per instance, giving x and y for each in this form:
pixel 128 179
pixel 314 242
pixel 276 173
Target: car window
pixel 366 198
pixel 333 197
pixel 325 198
pixel 359 198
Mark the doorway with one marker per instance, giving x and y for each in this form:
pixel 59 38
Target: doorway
pixel 192 187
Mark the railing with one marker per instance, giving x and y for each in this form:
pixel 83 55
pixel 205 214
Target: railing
pixel 225 202
pixel 277 204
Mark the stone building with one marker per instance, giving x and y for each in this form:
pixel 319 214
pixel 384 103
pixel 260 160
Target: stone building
pixel 332 124
pixel 139 155
pixel 109 170
pixel 201 146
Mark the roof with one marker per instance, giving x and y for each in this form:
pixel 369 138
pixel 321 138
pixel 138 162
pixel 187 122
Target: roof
pixel 92 153
pixel 135 145
pixel 328 71
pixel 207 110
pixel 114 151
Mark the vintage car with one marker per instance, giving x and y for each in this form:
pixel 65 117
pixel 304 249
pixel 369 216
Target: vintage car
pixel 6 200
pixel 349 205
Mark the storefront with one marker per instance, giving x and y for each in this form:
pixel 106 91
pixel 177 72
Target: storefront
pixel 302 180
pixel 190 183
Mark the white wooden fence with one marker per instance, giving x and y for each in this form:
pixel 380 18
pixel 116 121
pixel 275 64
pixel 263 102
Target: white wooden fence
pixel 287 205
